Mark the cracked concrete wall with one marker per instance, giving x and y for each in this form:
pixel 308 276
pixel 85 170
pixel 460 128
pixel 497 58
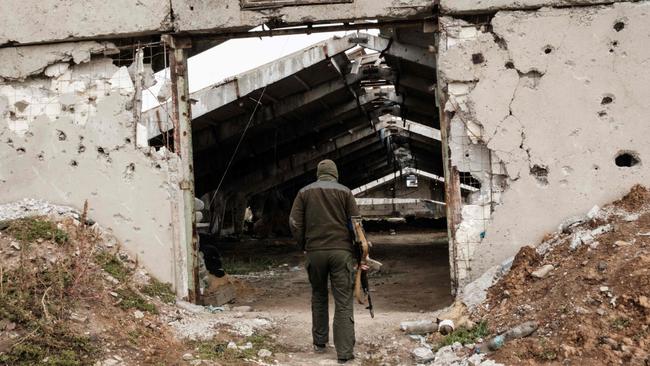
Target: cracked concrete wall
pixel 543 102
pixel 485 6
pixel 67 135
pixel 46 21
pixel 35 21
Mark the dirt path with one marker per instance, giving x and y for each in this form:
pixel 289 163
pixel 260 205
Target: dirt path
pixel 413 283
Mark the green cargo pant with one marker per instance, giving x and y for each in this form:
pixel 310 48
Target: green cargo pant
pixel 338 265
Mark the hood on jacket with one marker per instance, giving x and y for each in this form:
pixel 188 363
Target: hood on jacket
pixel 327 168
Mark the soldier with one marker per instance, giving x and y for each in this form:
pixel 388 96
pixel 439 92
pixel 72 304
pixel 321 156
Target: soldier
pixel 319 221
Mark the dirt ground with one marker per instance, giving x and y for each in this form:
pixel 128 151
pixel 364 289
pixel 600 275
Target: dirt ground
pixel 414 282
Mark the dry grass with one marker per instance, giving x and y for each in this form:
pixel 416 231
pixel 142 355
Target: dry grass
pixel 37 296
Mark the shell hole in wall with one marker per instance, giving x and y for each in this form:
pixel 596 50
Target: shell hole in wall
pixel 540 173
pixel 618 26
pixel 606 100
pixel 627 159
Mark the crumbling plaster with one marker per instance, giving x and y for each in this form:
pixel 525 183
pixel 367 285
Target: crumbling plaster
pixel 67 136
pixel 542 103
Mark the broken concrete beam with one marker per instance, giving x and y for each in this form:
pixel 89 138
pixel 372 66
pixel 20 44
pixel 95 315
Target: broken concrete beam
pixel 200 15
pixel 54 59
pixel 41 21
pixel 476 7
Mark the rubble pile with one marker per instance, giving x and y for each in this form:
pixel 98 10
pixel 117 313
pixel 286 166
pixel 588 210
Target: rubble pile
pixel 586 286
pixel 581 296
pixel 70 296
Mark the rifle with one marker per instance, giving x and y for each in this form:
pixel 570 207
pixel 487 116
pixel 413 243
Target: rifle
pixel 361 280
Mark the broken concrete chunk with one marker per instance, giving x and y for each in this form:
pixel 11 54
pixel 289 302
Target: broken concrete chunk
pixel 644 302
pixel 423 355
pixel 543 271
pixel 593 213
pixel 622 243
pixel 263 353
pixel 138 314
pixel 56 69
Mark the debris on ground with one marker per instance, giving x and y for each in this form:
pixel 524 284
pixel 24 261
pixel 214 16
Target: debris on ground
pixel 70 296
pixel 586 287
pixel 578 297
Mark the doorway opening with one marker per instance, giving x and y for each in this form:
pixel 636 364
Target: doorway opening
pixel 363 99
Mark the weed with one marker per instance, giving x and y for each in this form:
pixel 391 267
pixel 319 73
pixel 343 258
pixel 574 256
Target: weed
pixel 548 355
pixel 113 265
pixel 620 323
pixel 161 290
pixel 465 336
pixel 30 229
pixel 544 351
pixel 217 350
pixel 249 265
pixel 133 300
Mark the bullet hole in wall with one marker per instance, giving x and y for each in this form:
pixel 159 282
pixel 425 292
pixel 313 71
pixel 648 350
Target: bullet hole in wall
pixel 627 159
pixel 73 163
pixel 606 100
pixel 540 173
pixel 127 140
pixel 62 136
pixel 101 151
pixel 21 150
pixel 41 156
pixel 548 49
pixel 477 58
pixel 81 148
pixel 618 26
pixel 602 114
pixel 510 65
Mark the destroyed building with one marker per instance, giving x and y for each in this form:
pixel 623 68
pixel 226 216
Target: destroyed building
pixel 532 111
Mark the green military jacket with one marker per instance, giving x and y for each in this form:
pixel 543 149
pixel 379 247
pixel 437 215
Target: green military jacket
pixel 320 215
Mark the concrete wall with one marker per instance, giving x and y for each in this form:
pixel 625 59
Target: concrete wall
pixel 42 21
pixel 542 103
pixel 67 135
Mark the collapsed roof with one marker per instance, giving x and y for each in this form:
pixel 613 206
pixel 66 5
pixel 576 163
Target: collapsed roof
pixel 365 101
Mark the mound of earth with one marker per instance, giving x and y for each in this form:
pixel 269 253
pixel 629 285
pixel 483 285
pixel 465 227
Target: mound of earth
pixel 69 296
pixel 587 287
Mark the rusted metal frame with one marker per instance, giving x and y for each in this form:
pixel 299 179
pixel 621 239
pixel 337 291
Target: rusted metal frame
pixel 452 187
pixel 182 120
pixel 137 97
pixel 197 37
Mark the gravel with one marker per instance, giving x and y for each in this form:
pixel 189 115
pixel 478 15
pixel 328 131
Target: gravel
pixel 32 207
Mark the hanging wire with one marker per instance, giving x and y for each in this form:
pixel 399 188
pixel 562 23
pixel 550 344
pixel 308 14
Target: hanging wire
pixel 241 139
